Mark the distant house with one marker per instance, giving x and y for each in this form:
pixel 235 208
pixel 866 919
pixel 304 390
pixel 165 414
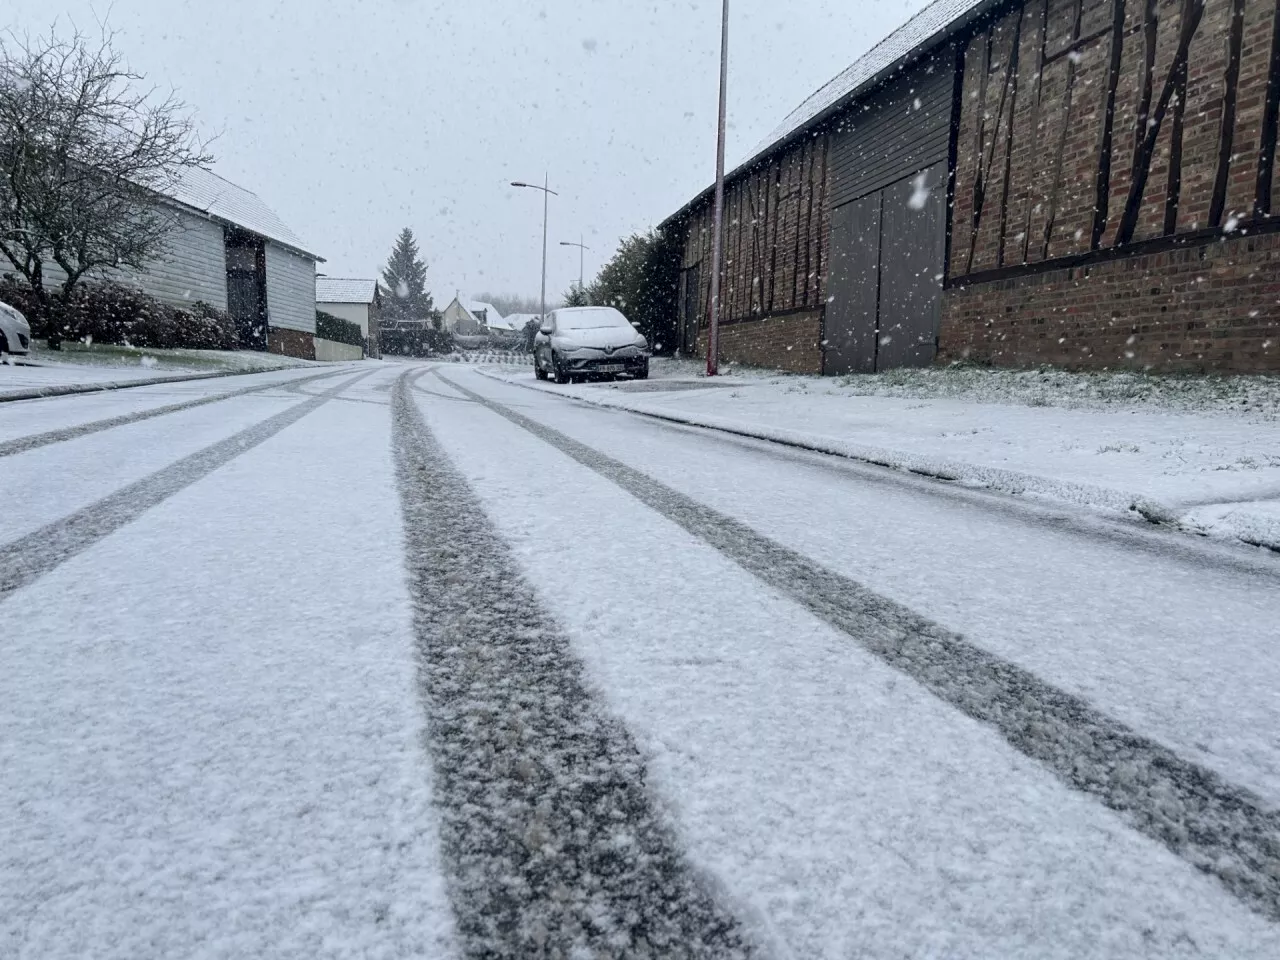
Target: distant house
pixel 359 301
pixel 230 250
pixel 470 318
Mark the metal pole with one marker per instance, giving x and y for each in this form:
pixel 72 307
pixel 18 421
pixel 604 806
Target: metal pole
pixel 546 197
pixel 582 249
pixel 713 335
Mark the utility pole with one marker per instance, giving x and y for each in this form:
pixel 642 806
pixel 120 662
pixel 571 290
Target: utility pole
pixel 713 334
pixel 547 193
pixel 582 248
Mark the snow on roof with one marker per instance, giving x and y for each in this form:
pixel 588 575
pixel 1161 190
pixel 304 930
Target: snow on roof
pixel 344 290
pixel 223 200
pixel 476 307
pixel 915 37
pixel 912 38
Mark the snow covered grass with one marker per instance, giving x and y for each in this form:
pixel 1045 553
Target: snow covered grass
pixel 110 355
pixel 1249 396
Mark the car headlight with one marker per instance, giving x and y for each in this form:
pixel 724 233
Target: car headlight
pixel 641 342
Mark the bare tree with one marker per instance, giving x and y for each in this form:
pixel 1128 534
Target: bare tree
pixel 84 156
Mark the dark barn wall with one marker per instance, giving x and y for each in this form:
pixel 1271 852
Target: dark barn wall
pixel 777 225
pixel 1114 187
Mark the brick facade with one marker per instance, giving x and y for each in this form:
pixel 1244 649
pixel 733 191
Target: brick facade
pixel 792 342
pixel 291 343
pixel 777 228
pixel 1093 137
pixel 1211 307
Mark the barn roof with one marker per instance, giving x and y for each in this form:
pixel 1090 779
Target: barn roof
pixel 915 38
pixel 345 290
pixel 222 200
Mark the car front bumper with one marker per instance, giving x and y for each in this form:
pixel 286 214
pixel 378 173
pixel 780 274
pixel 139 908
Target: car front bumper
pixel 597 361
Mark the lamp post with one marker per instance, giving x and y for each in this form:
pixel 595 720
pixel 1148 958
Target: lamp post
pixel 547 192
pixel 713 333
pixel 582 248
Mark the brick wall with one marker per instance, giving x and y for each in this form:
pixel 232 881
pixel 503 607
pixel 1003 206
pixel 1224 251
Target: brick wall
pixel 783 343
pixel 1064 163
pixel 777 227
pixel 291 343
pixel 1211 307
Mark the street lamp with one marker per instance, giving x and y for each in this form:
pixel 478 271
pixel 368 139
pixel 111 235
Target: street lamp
pixel 582 247
pixel 546 193
pixel 713 334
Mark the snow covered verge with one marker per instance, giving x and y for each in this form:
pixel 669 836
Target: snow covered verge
pixel 1192 456
pixel 76 368
pixel 117 357
pixel 1252 396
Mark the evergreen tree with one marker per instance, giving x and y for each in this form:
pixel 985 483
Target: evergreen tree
pixel 404 280
pixel 577 297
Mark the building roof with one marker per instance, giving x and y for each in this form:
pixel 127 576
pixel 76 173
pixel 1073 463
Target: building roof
pixel 915 38
pixel 345 290
pixel 222 200
pixel 475 307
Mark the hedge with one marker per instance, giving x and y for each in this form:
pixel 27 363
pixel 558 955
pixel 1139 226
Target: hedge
pixel 117 314
pixel 329 327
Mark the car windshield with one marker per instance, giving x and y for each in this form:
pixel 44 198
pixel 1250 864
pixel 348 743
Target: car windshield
pixel 590 319
pixel 628 479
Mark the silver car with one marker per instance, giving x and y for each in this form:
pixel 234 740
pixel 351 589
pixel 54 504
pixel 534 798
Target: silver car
pixel 15 333
pixel 574 343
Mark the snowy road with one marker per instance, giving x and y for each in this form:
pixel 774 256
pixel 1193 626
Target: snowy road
pixel 405 661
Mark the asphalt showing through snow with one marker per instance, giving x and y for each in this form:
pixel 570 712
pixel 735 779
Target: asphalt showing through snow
pixel 1219 828
pixel 31 556
pixel 37 440
pixel 554 845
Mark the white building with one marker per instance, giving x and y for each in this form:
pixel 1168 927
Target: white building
pixel 230 250
pixel 356 300
pixel 470 318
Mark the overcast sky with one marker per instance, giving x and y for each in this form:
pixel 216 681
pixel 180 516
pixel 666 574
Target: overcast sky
pixel 354 118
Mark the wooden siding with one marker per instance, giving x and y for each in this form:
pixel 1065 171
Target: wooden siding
pixel 776 225
pixel 291 290
pixel 193 266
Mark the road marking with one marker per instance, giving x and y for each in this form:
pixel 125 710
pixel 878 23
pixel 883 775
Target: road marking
pixel 23 444
pixel 30 557
pixel 1216 826
pixel 554 846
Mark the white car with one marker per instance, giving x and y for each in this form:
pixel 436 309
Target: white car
pixel 15 332
pixel 578 342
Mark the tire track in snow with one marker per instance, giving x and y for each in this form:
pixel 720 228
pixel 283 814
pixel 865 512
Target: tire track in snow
pixel 33 442
pixel 554 846
pixel 30 557
pixel 1216 826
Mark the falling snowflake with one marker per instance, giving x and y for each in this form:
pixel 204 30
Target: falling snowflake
pixel 1231 224
pixel 916 103
pixel 402 289
pixel 919 193
pixel 1075 56
pixel 148 362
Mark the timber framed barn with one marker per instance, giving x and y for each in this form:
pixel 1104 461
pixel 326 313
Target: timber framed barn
pixel 1085 183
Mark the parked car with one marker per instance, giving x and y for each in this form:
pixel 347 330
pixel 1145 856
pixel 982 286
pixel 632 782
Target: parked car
pixel 15 332
pixel 578 342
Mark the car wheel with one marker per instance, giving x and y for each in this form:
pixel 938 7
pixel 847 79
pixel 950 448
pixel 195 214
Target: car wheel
pixel 562 375
pixel 538 371
pixel 642 373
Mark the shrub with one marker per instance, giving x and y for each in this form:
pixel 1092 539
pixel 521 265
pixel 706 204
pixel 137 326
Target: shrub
pixel 117 314
pixel 329 327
